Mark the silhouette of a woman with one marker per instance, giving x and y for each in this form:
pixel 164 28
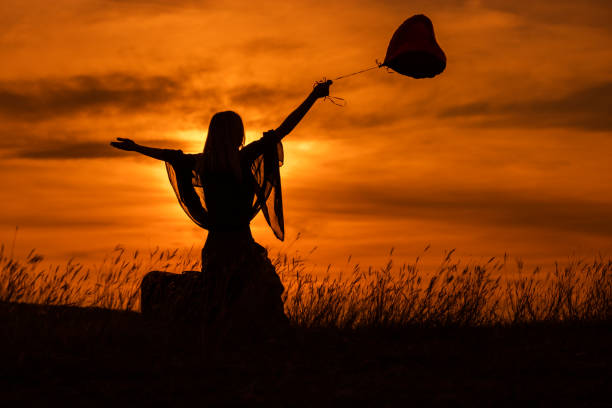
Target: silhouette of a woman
pixel 221 190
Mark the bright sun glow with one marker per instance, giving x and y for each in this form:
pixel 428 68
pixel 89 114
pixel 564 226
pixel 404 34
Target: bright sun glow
pixel 506 151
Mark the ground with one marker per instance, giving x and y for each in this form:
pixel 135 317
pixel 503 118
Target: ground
pixel 94 357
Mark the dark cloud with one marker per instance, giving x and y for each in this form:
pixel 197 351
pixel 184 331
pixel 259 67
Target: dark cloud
pixel 42 117
pixel 120 8
pixel 42 99
pixel 62 221
pixel 486 208
pixel 362 120
pixel 67 149
pixel 587 108
pixel 266 45
pixel 152 3
pixel 594 13
pixel 123 94
pixel 257 94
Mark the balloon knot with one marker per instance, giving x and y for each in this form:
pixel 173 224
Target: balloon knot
pixel 336 100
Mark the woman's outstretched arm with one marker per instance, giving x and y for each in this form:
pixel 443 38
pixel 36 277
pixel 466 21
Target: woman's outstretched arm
pixel 319 91
pixel 131 146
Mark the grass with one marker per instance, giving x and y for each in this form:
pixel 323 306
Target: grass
pixel 456 294
pixel 475 334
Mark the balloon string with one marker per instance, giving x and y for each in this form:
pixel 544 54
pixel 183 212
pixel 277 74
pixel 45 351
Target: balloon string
pixel 336 100
pixel 378 65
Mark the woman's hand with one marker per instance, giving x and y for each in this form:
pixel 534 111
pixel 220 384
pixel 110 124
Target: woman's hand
pixel 269 133
pixel 124 144
pixel 321 90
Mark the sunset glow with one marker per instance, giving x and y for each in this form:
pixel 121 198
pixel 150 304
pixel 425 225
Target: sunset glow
pixel 507 151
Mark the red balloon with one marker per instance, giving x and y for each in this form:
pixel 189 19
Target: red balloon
pixel 413 50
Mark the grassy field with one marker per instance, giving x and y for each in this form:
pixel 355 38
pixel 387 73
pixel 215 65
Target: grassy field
pixel 464 335
pixel 456 294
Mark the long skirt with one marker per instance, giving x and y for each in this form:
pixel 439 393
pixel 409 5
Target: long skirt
pixel 237 293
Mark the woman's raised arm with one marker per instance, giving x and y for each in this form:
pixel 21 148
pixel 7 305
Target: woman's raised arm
pixel 131 146
pixel 319 91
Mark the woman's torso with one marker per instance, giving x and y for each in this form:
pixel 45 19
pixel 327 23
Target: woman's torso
pixel 229 199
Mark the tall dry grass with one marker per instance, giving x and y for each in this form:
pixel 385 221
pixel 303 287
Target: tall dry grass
pixel 456 294
pixel 112 284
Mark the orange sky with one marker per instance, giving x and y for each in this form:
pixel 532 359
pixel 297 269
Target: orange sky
pixel 507 151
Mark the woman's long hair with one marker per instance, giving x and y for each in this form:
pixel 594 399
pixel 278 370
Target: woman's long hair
pixel 221 150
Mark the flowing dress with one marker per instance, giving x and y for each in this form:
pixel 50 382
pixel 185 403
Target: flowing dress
pixel 238 290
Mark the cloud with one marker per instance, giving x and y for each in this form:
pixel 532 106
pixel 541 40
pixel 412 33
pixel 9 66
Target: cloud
pixel 364 120
pixel 114 8
pixel 35 100
pixel 595 13
pixel 257 94
pixel 123 94
pixel 485 208
pixel 66 118
pixel 68 150
pixel 62 149
pixel 266 45
pixel 62 221
pixel 588 108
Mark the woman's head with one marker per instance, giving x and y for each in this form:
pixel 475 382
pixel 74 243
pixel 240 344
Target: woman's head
pixel 225 129
pixel 225 137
